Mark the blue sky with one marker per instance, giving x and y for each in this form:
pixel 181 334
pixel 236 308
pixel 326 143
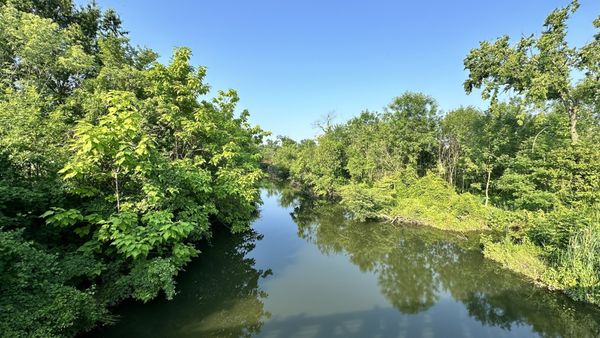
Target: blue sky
pixel 294 61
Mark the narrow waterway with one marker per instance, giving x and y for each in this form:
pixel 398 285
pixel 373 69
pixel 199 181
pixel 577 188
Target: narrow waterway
pixel 305 271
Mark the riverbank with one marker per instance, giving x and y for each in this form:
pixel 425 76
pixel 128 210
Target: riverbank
pixel 504 235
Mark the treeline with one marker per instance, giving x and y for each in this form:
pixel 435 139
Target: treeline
pixel 527 167
pixel 112 166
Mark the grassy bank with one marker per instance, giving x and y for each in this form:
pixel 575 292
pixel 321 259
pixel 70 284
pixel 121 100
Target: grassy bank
pixel 422 201
pixel 565 258
pixel 573 268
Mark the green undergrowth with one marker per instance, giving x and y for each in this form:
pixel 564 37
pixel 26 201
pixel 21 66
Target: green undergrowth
pixel 423 201
pixel 523 258
pixel 566 257
pixel 558 249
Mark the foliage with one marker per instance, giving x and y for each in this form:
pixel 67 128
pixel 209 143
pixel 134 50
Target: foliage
pixel 426 200
pixel 38 299
pixel 458 132
pixel 524 258
pixel 574 269
pixel 432 201
pixel 579 266
pixel 539 68
pixel 364 202
pixel 126 160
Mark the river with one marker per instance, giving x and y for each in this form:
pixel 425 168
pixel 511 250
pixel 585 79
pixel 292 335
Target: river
pixel 306 271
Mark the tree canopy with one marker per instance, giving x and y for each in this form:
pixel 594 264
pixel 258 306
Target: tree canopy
pixel 113 166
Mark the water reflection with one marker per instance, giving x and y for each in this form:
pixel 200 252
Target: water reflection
pixel 219 296
pixel 418 267
pixel 315 274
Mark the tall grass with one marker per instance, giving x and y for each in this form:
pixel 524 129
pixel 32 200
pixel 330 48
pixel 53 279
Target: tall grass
pixel 579 266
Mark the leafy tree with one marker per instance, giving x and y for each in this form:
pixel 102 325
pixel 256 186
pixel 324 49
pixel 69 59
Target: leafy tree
pixel 539 68
pixel 457 144
pixel 125 158
pixel 284 155
pixel 151 170
pixel 499 135
pixel 41 64
pixel 366 147
pixel 411 128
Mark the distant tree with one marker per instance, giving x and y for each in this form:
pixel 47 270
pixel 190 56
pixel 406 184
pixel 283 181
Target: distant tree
pixel 458 130
pixel 497 140
pixel 411 126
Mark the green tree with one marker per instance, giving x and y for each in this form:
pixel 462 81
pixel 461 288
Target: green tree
pixel 458 132
pixel 499 133
pixel 411 123
pixel 38 299
pixel 126 160
pixel 539 68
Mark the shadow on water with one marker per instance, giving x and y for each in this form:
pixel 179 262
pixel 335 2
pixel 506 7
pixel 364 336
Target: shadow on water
pixel 435 285
pixel 218 296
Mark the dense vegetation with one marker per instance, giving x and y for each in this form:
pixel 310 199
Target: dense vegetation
pixel 417 266
pixel 112 166
pixel 527 168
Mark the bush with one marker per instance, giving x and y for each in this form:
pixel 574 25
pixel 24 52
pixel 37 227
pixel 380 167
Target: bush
pixel 431 200
pixel 37 300
pixel 364 202
pixel 427 200
pixel 573 268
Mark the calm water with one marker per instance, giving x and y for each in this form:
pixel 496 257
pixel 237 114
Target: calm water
pixel 306 272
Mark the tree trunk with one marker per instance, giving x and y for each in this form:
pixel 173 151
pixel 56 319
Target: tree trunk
pixel 572 110
pixel 487 187
pixel 117 194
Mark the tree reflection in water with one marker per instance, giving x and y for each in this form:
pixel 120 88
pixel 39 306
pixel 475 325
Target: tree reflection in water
pixel 219 296
pixel 415 267
pixel 433 280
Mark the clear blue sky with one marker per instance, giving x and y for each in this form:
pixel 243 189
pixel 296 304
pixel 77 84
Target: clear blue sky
pixel 293 61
